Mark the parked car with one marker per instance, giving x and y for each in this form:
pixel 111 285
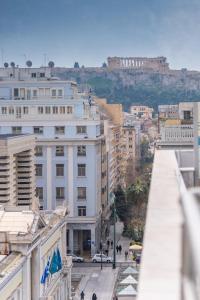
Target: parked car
pixel 101 257
pixel 76 258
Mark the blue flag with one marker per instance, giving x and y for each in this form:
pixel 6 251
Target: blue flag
pixel 59 260
pixel 54 264
pixel 45 273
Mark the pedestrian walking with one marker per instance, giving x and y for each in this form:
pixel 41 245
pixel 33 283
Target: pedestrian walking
pixel 82 295
pixel 117 248
pixel 111 243
pixel 126 254
pixel 94 296
pixel 120 249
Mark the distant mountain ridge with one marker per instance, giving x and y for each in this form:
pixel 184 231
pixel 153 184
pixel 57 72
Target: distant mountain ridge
pixel 137 86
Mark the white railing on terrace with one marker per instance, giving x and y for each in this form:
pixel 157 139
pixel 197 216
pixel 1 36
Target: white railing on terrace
pixel 190 283
pixel 177 134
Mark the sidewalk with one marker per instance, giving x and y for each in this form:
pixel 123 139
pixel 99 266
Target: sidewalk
pixel 100 282
pixel 120 240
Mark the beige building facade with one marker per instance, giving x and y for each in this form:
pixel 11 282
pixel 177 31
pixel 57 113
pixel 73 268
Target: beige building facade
pixel 17 171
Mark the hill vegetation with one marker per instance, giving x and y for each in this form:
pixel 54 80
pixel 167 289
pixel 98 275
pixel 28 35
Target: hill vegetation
pixel 137 87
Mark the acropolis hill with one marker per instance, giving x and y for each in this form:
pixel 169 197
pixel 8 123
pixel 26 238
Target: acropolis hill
pixel 139 80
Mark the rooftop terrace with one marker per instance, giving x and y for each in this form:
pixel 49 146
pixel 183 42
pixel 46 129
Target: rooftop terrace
pixel 170 269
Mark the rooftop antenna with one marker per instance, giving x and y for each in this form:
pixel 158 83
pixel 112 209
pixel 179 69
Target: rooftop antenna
pixel 45 59
pixel 25 58
pixel 2 56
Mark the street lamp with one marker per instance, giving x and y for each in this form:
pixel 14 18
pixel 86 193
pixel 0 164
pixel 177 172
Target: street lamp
pixel 112 198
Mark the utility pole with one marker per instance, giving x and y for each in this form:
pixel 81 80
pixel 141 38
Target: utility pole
pixel 101 244
pixel 114 234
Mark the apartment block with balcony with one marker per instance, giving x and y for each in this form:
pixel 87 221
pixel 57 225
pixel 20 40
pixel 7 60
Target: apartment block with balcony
pixel 17 178
pixel 68 148
pixel 129 158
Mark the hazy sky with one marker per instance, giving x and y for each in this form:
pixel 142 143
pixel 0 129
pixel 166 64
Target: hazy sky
pixel 88 31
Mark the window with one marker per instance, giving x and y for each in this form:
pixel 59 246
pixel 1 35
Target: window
pixel 16 130
pixel 60 93
pixel 62 110
pixel 34 93
pixel 11 110
pixel 69 109
pixel 60 130
pixel 33 75
pixel 59 169
pixel 81 150
pixel 38 170
pixel 40 110
pixel 38 130
pixel 38 151
pixel 81 170
pixel 60 192
pixel 47 109
pixel 16 92
pixel 18 112
pixel 25 110
pixel 81 193
pixel 41 92
pixel 81 211
pixel 81 129
pixel 42 75
pixel 53 93
pixel 130 146
pixel 4 110
pixel 55 109
pixel 39 192
pixel 59 150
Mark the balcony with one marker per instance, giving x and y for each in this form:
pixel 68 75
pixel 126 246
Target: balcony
pixel 170 267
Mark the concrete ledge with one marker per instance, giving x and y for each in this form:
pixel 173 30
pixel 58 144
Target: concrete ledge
pixel 161 260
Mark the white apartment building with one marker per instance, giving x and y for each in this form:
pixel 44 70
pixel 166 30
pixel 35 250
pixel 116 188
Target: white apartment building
pixel 141 112
pixel 68 146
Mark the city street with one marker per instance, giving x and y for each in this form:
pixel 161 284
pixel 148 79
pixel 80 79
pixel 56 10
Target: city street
pixel 102 282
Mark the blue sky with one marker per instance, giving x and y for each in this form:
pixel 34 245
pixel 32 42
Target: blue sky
pixel 88 31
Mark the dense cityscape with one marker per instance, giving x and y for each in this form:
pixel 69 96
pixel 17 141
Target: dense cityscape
pixel 99 162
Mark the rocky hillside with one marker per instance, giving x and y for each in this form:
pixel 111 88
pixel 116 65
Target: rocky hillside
pixel 137 86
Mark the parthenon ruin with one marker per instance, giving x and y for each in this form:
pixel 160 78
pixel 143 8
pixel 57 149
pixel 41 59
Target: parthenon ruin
pixel 155 63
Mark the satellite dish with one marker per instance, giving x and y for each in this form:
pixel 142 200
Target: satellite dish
pixel 12 64
pixel 29 63
pixel 51 64
pixel 6 65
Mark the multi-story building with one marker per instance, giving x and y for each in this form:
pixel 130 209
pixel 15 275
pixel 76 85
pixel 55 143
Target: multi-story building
pixel 68 146
pixel 141 112
pixel 175 125
pixel 129 120
pixel 17 170
pixel 28 242
pixel 128 154
pixel 112 120
pixel 33 262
